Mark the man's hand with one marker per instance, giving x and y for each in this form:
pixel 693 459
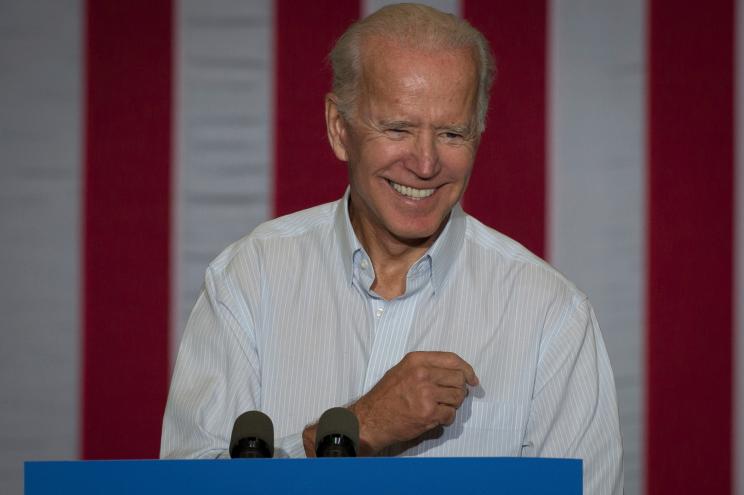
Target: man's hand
pixel 308 439
pixel 419 393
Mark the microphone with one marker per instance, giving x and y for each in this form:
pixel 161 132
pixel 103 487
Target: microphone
pixel 338 434
pixel 252 436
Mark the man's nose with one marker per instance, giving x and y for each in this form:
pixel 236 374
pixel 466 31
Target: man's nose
pixel 427 158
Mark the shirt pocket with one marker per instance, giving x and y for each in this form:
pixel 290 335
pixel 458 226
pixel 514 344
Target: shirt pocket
pixel 493 428
pixel 492 415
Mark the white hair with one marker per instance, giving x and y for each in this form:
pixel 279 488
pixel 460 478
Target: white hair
pixel 410 25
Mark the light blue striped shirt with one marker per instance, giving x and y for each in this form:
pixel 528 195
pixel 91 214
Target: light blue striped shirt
pixel 287 324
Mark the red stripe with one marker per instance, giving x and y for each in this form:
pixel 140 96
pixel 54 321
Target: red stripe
pixel 691 145
pixel 306 171
pixel 507 188
pixel 126 230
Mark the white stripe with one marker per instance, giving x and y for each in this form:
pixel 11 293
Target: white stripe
pixel 597 186
pixel 40 153
pixel 224 135
pixel 451 6
pixel 738 403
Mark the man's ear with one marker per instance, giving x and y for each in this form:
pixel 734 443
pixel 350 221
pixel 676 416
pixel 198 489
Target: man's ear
pixel 336 127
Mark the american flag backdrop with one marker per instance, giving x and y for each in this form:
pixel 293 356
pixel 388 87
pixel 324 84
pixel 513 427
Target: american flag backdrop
pixel 139 138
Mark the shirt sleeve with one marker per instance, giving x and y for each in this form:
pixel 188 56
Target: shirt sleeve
pixel 216 378
pixel 574 407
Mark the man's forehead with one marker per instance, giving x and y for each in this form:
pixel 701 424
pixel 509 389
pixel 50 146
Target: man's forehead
pixel 377 47
pixel 379 57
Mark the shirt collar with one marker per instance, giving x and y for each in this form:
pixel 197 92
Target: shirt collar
pixel 348 242
pixel 441 255
pixel 445 249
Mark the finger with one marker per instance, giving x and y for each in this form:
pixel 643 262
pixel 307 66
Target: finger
pixel 470 377
pixel 450 396
pixel 446 377
pixel 452 361
pixel 446 414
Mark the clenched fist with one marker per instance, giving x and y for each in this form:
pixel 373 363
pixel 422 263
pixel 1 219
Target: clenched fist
pixel 419 393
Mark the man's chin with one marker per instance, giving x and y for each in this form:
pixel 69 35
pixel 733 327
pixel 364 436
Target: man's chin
pixel 417 235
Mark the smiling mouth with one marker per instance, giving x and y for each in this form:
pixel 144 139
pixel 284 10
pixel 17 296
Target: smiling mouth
pixel 411 192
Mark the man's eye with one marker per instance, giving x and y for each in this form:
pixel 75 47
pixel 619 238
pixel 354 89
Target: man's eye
pixel 396 132
pixel 453 135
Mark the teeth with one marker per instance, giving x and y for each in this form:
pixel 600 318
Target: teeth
pixel 411 192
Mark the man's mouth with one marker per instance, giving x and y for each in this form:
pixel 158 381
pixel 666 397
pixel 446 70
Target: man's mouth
pixel 411 192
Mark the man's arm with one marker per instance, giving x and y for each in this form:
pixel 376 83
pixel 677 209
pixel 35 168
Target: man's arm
pixel 574 408
pixel 216 378
pixel 419 393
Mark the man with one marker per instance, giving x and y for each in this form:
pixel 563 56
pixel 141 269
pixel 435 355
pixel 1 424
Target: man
pixel 443 336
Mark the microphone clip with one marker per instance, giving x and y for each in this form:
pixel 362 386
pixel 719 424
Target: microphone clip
pixel 250 448
pixel 335 445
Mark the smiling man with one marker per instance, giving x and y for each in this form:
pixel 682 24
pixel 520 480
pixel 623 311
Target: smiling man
pixel 410 140
pixel 441 335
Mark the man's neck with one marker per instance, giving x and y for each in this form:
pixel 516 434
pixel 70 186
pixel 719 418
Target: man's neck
pixel 391 257
pixel 391 264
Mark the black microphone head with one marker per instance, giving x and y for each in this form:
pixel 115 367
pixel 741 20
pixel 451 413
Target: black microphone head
pixel 338 421
pixel 256 428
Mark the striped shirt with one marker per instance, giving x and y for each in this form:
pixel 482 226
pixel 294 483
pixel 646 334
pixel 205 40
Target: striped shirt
pixel 287 324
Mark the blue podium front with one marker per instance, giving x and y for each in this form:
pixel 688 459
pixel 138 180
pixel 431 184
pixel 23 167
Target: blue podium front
pixel 503 476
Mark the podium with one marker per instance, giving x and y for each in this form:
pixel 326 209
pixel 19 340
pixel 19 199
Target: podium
pixel 473 475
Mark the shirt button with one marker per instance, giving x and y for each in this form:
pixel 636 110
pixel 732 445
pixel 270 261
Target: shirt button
pixel 364 264
pixel 379 312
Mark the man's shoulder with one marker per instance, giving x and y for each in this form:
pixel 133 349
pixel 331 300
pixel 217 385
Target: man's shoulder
pixel 298 228
pixel 502 253
pixel 296 224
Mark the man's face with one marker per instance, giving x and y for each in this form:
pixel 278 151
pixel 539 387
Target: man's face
pixel 410 141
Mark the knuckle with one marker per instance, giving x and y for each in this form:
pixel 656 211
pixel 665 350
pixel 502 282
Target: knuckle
pixel 452 359
pixel 449 417
pixel 420 373
pixel 428 411
pixel 414 357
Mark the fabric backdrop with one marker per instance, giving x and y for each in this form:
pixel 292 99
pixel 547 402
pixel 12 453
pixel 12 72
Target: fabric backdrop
pixel 139 138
